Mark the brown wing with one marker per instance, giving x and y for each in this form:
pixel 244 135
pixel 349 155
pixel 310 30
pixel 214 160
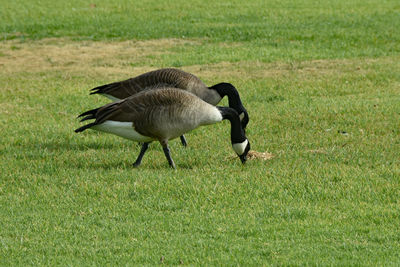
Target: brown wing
pixel 147 110
pixel 168 77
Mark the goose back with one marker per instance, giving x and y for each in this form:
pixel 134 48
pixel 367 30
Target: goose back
pixel 160 114
pixel 168 77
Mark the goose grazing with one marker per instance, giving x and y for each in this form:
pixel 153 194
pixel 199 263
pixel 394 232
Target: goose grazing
pixel 179 79
pixel 161 115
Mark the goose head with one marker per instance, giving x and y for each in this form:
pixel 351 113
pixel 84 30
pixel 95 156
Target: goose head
pixel 239 141
pixel 242 149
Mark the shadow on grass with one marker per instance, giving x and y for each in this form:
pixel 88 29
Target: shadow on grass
pixel 47 149
pixel 128 165
pixel 63 146
pixel 87 145
pixel 58 146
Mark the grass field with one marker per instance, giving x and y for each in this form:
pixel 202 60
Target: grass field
pixel 321 83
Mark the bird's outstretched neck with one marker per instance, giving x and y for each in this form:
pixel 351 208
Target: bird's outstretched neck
pixel 227 89
pixel 237 133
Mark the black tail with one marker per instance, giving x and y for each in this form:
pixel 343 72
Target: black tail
pixel 89 112
pixel 89 117
pixel 103 89
pixel 87 126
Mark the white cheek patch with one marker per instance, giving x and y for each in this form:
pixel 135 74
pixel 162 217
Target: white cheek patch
pixel 241 116
pixel 240 147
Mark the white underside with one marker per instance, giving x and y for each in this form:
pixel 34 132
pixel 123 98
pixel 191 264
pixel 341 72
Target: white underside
pixel 111 97
pixel 122 129
pixel 241 116
pixel 240 147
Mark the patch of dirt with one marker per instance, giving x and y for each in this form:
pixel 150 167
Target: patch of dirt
pixel 257 155
pixel 64 54
pixel 118 57
pixel 311 68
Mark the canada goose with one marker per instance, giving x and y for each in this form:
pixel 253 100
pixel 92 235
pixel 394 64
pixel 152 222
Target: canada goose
pixel 163 115
pixel 179 79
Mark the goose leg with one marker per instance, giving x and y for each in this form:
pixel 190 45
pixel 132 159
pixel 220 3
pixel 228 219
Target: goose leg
pixel 143 150
pixel 183 140
pixel 167 153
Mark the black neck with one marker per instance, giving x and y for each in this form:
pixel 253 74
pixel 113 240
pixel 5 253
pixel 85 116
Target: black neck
pixel 237 133
pixel 227 89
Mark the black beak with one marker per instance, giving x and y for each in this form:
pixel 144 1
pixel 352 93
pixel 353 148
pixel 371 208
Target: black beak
pixel 243 158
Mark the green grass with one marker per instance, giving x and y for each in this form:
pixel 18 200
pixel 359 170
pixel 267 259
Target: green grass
pixel 271 30
pixel 321 82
